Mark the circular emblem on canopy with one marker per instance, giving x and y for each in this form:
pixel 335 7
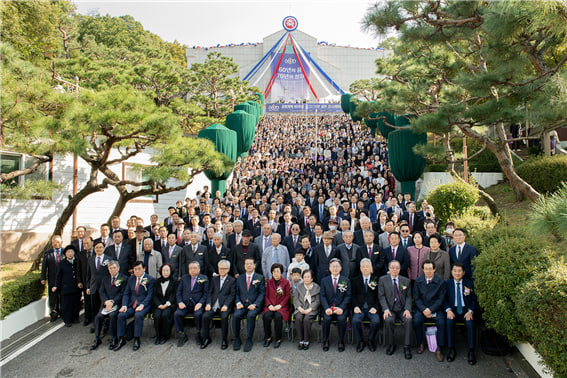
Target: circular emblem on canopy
pixel 290 23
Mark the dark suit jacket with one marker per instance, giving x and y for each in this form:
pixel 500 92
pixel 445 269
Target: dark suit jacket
pixel 314 241
pixel 321 261
pixel 83 257
pixel 365 293
pixel 94 276
pixel 75 243
pixel 113 292
pixel 68 277
pixel 288 242
pixel 315 211
pixel 469 300
pixel 231 241
pixel 417 221
pixel 144 294
pixel 467 255
pixel 255 229
pixel 238 256
pixel 207 243
pixel 225 295
pixel 197 295
pixel 378 259
pixel 443 243
pixel 49 266
pixel 350 259
pixel 174 259
pixel 187 256
pixel 327 219
pixel 122 230
pixel 253 295
pixel 127 257
pixel 430 296
pixel 402 256
pixel 386 293
pixel 214 258
pixel 359 237
pixel 160 297
pixel 336 299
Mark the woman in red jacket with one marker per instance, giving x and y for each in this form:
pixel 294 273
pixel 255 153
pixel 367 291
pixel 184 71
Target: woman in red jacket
pixel 278 309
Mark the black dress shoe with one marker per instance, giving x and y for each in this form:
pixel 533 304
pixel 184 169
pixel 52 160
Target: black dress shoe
pixel 158 339
pixel 472 358
pixel 181 339
pixel 113 344
pixel 206 342
pixel 248 345
pixel 277 344
pixel 267 343
pixel 120 344
pixel 326 345
pixel 96 343
pixel 136 345
pixel 341 346
pixel 162 341
pixel 68 325
pixel 371 346
pixel 86 323
pixel 391 349
pixel 451 355
pixel 300 345
pixel 224 345
pixel 407 353
pixel 91 330
pixel 306 345
pixel 198 338
pixel 237 344
pixel 360 346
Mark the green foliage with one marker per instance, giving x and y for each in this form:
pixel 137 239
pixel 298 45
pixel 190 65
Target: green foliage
pixel 33 189
pixel 474 220
pixel 452 199
pixel 508 259
pixel 549 214
pixel 542 307
pixel 544 173
pixel 20 292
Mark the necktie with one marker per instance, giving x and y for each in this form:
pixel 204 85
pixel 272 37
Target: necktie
pixel 320 213
pixel 237 239
pixel 335 284
pixel 294 241
pixel 275 259
pixel 192 283
pixel 113 279
pixel 370 252
pixel 411 222
pixel 428 281
pixel 405 243
pixel 178 238
pixel 397 293
pixel 317 240
pixel 162 245
pixel 306 222
pixel 170 251
pixel 393 253
pixel 97 263
pixel 458 253
pixel 103 241
pixel 117 252
pixel 287 230
pixel 137 287
pixel 366 284
pixel 459 300
pixel 265 242
pixel 58 255
pixel 80 245
pixel 248 282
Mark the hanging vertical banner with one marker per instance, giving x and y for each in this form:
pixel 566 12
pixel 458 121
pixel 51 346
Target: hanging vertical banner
pixel 290 85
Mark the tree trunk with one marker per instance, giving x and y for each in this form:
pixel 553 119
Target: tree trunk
pixel 91 187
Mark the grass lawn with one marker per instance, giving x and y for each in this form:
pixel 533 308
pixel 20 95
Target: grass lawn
pixel 11 271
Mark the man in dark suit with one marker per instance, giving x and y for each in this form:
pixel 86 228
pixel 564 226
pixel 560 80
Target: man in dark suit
pixel 83 257
pixel 335 299
pixel 415 222
pixel 317 236
pixel 460 305
pixel 365 304
pixel 244 250
pixel 193 252
pixel 323 254
pixel 350 255
pixel 429 294
pixel 192 293
pixel 217 253
pixel 365 225
pixel 373 252
pixel 332 216
pixel 292 242
pixel 235 238
pixel 115 227
pixel 431 229
pixel 462 252
pixel 220 302
pixel 121 252
pixel 49 266
pixel 284 228
pixel 405 236
pixel 396 252
pixel 78 242
pixel 170 254
pixel 319 209
pixel 153 222
pixel 111 293
pixel 96 271
pixel 169 221
pixel 161 244
pixel 394 293
pixel 250 291
pixel 137 302
pixel 303 219
pixel 254 225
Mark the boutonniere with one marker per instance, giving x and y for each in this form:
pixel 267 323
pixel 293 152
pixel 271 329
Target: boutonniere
pixel 372 285
pixel 118 282
pixel 377 252
pixel 342 286
pixel 144 282
pixel 255 282
pixel 404 287
pixel 466 291
pixel 105 262
pixel 279 291
pixel 201 281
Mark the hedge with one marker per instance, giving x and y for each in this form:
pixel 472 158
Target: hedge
pixel 544 173
pixel 20 292
pixel 542 307
pixel 452 199
pixel 475 220
pixel 549 214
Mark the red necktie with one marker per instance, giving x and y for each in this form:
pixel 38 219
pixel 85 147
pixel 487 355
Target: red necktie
pixel 178 238
pixel 335 284
pixel 137 287
pixel 248 283
pixel 287 230
pixel 58 254
pixel 369 251
pixel 113 279
pixel 393 253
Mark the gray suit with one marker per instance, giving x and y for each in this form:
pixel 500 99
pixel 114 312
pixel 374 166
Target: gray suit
pixel 268 260
pixel 383 241
pixel 259 241
pixel 387 302
pixel 154 262
pixel 174 259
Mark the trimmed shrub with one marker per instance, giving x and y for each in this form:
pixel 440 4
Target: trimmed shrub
pixel 545 173
pixel 20 292
pixel 549 214
pixel 542 307
pixel 507 261
pixel 452 199
pixel 475 220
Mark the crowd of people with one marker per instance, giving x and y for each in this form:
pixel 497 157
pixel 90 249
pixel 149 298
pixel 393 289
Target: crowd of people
pixel 310 228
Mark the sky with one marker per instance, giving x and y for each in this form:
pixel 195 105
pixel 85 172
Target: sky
pixel 208 23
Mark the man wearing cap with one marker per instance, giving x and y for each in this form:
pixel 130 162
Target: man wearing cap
pixel 137 244
pixel 169 220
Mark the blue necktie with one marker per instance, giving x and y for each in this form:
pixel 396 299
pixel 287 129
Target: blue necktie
pixel 459 300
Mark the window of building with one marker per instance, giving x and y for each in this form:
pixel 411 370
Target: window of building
pixel 134 173
pixel 10 162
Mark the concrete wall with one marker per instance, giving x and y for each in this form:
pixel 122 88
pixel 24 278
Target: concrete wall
pixel 432 179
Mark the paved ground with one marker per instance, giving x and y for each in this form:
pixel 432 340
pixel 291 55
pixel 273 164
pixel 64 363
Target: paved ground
pixel 66 353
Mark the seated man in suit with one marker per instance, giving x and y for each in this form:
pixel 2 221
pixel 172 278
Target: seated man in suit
pixel 137 302
pixel 192 293
pixel 250 291
pixel 335 299
pixel 394 293
pixel 111 292
pixel 460 305
pixel 365 304
pixel 462 252
pixel 429 293
pixel 220 302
